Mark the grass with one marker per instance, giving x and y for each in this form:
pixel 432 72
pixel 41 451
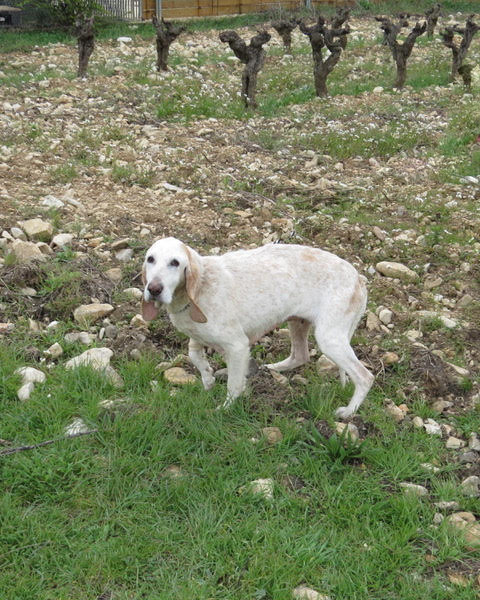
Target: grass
pixel 100 513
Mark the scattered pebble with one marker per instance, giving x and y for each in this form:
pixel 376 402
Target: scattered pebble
pixel 303 592
pixel 259 487
pixel 413 488
pixel 273 434
pixel 470 486
pixel 25 391
pixel 178 376
pixel 76 427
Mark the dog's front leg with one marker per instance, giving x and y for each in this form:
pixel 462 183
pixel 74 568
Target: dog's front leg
pixel 196 354
pixel 237 356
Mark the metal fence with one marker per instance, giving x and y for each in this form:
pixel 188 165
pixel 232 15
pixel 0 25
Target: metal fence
pixel 130 10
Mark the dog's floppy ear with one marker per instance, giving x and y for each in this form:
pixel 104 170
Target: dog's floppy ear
pixel 192 284
pixel 149 310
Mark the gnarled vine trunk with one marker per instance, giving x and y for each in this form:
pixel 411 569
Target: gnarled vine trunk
pixel 432 15
pixel 86 43
pixel 322 36
pixel 167 32
pixel 284 30
pixel 252 56
pixel 401 52
pixel 459 51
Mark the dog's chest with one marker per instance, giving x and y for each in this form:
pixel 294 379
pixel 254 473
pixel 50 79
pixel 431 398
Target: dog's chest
pixel 183 322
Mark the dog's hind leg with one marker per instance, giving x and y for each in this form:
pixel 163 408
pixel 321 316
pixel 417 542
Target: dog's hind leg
pixel 335 345
pixel 299 354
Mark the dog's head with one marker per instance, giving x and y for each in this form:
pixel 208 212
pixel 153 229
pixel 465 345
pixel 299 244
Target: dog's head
pixel 171 268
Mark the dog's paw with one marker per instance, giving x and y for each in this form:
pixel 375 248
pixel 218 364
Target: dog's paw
pixel 208 382
pixel 343 412
pixel 227 404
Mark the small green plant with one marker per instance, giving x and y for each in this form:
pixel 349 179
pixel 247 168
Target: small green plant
pixel 63 173
pixel 339 448
pixel 131 176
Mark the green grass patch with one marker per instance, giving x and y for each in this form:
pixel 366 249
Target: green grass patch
pixel 101 513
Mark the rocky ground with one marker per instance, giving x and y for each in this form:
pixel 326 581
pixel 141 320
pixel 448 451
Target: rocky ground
pixel 93 171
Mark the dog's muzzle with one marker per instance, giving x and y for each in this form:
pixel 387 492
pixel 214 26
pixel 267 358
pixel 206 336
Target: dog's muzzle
pixel 154 290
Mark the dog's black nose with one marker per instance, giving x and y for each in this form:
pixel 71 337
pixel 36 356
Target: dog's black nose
pixel 155 289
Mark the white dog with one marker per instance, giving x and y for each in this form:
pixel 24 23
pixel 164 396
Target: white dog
pixel 229 302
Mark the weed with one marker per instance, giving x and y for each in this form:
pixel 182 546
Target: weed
pixel 129 175
pixel 337 449
pixel 63 173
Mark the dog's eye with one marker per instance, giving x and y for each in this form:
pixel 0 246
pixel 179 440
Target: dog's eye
pixel 174 263
pixel 150 259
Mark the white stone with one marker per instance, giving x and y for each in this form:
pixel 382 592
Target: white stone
pixel 89 313
pixel 37 229
pixel 76 427
pixel 54 351
pixel 25 252
pixel 432 427
pixel 113 404
pixel 302 592
pixel 120 244
pixel 447 505
pixel 62 239
pixel 28 291
pixel 378 89
pixel 447 322
pixel 97 358
pixel 44 248
pixel 326 366
pixel 278 377
pixel 114 274
pixel 138 321
pixel 31 375
pixel 52 202
pixel 413 488
pixel 441 405
pixel 390 358
pixel 260 487
pixel 79 336
pixel 459 370
pixel 124 255
pixel 395 412
pixel 454 443
pixel 385 316
pixel 133 293
pixel 396 270
pixel 413 335
pixel 351 430
pixel 470 486
pixel 124 39
pixel 465 521
pixel 417 422
pixel 373 322
pixel 25 391
pixel 430 467
pixel 179 376
pixel 18 234
pixel 272 434
pixel 474 442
